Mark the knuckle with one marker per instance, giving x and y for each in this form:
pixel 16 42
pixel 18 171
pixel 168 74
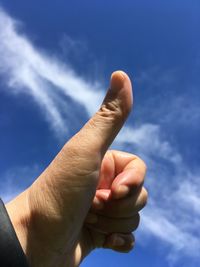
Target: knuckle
pixel 142 200
pixel 143 165
pixel 135 222
pixel 141 162
pixel 111 110
pixel 141 171
pixel 120 225
pixel 131 224
pixel 144 196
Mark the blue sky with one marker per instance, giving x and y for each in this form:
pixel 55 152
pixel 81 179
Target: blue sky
pixel 56 58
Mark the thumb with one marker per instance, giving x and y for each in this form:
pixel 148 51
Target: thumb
pixel 100 131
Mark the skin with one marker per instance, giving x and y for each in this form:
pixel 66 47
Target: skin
pixel 88 196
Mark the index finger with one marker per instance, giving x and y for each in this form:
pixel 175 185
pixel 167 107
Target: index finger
pixel 130 174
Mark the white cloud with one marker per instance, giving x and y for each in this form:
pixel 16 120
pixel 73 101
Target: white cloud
pixel 147 139
pixel 189 194
pixel 169 216
pixel 173 214
pixel 171 99
pixel 180 241
pixel 47 80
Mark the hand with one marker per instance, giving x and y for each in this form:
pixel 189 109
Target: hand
pixel 87 197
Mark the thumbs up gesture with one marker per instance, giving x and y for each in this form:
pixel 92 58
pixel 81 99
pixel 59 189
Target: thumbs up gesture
pixel 88 196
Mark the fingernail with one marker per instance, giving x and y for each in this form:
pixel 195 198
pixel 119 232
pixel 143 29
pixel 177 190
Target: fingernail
pixel 98 204
pixel 117 80
pixel 122 191
pixel 119 241
pixel 91 218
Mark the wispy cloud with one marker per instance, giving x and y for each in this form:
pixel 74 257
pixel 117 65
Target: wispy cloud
pixel 173 212
pixel 47 80
pixel 173 233
pixel 174 222
pixel 173 188
pixel 189 195
pixel 147 139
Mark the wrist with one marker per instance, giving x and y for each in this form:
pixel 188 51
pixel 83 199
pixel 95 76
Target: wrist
pixel 19 215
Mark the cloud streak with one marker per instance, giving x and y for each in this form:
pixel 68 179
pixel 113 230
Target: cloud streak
pixel 32 72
